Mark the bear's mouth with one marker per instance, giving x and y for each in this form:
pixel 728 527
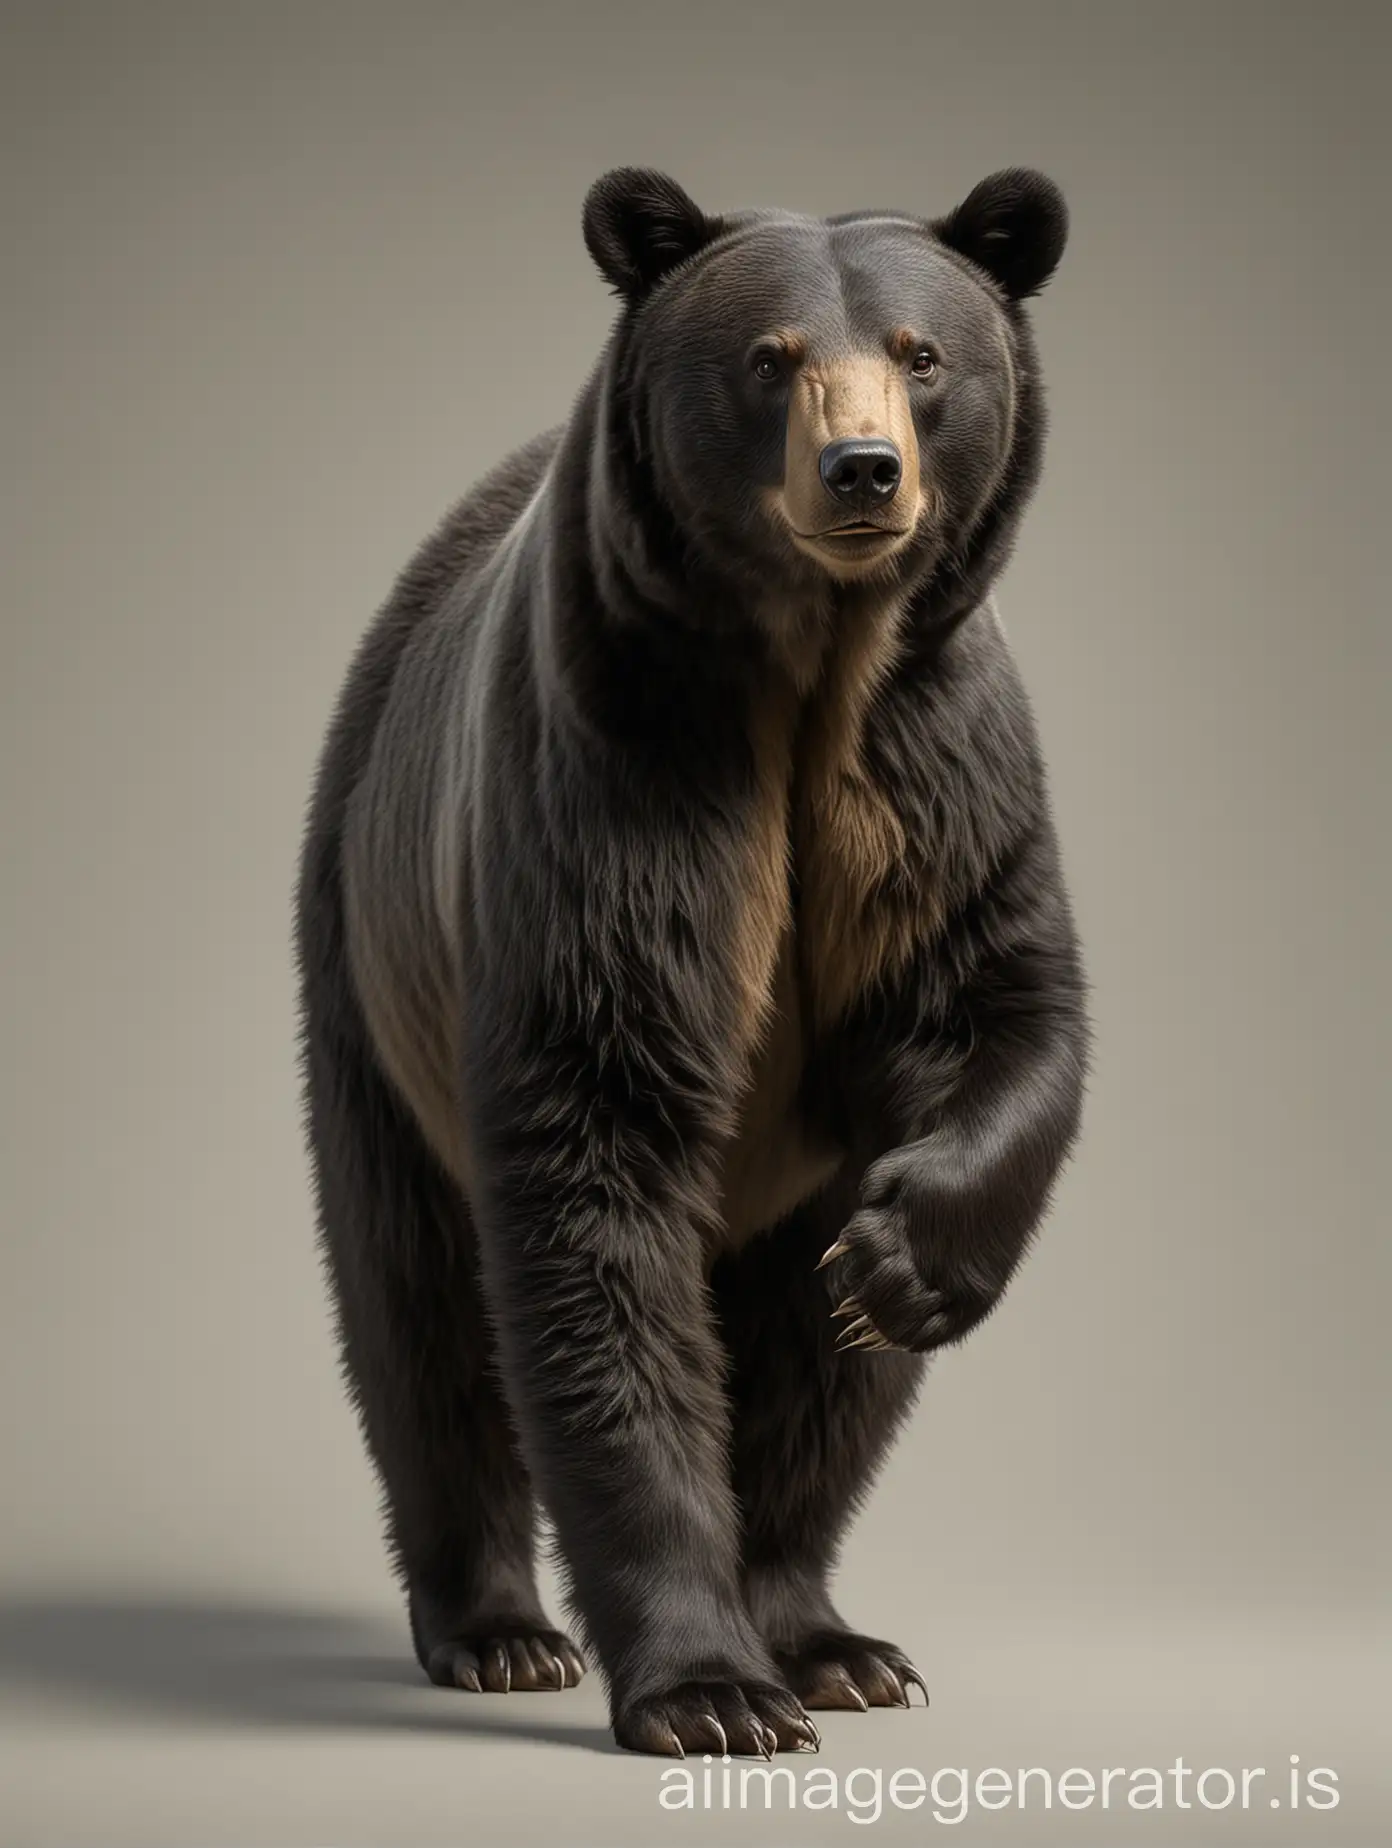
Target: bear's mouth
pixel 855 530
pixel 849 551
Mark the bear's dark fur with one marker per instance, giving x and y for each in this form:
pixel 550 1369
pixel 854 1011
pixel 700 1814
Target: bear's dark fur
pixel 686 961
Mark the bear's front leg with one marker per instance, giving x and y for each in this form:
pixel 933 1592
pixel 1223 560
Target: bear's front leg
pixel 589 1185
pixel 984 1103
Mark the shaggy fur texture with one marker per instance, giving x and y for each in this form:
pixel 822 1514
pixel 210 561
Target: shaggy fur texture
pixel 694 1023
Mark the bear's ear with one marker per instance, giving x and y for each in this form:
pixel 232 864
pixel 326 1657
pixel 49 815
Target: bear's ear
pixel 638 225
pixel 1014 226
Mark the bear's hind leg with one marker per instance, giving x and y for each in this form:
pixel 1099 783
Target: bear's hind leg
pixel 810 1429
pixel 417 1353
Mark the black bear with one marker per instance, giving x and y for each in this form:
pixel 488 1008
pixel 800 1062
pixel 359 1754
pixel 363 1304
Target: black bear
pixel 694 1021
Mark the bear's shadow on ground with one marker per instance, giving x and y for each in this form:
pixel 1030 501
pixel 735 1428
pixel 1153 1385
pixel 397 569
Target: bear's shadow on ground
pixel 229 1664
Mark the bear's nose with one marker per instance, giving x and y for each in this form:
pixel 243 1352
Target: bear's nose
pixel 861 471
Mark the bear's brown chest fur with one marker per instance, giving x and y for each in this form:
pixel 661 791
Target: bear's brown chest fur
pixel 822 825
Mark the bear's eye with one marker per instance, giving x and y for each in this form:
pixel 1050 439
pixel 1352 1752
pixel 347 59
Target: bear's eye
pixel 767 364
pixel 924 365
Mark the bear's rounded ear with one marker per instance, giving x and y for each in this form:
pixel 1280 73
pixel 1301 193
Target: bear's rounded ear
pixel 1014 225
pixel 638 225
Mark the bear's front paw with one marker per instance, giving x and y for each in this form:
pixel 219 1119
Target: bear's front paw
pixel 895 1284
pixel 745 1719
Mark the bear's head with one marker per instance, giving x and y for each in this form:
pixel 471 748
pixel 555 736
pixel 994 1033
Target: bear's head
pixel 828 400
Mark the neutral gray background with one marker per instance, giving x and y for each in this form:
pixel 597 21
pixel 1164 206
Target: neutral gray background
pixel 279 282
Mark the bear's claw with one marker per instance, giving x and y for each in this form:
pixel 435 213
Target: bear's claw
pixel 749 1719
pixel 506 1662
pixel 849 1672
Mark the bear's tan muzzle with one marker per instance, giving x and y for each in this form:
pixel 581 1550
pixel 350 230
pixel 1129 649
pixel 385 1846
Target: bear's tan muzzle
pixel 851 487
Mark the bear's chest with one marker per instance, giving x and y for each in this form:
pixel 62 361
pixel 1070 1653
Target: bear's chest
pixel 828 853
pixel 828 906
pixel 777 1157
